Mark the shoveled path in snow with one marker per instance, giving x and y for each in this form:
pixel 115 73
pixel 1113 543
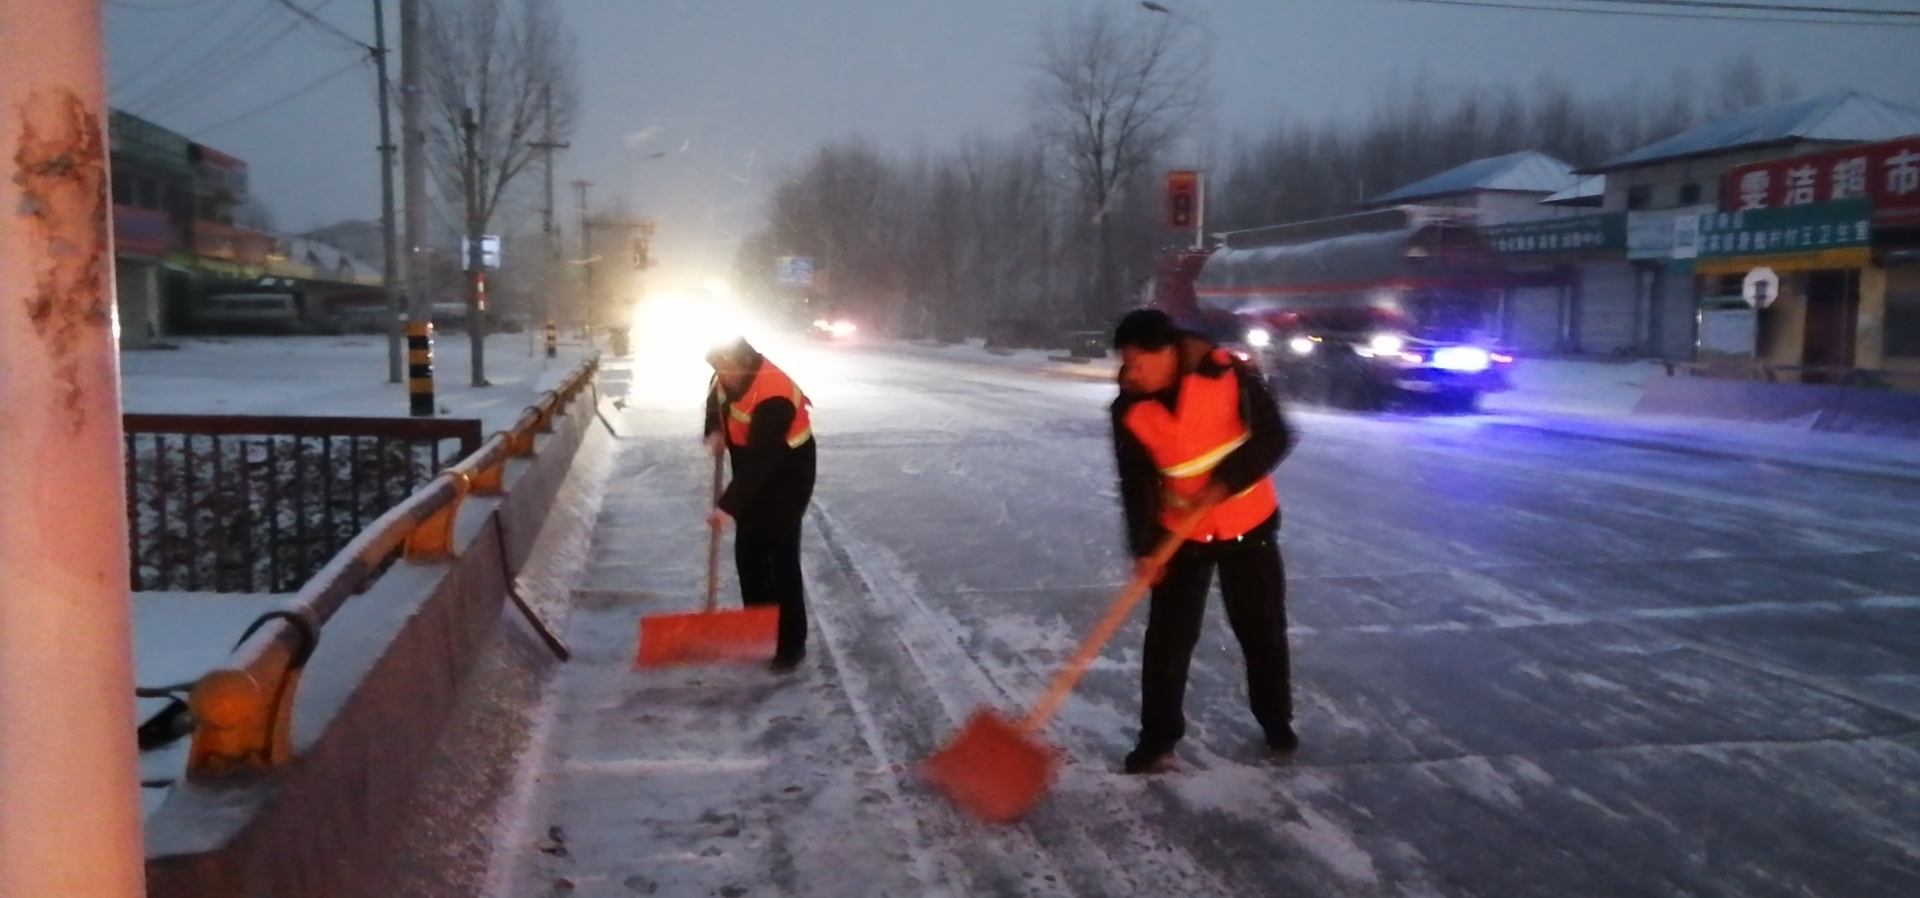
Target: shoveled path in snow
pixel 1530 660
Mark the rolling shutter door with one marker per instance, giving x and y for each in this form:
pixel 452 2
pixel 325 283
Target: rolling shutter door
pixel 1533 317
pixel 1609 304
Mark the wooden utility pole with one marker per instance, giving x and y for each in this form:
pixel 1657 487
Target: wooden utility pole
pixel 69 768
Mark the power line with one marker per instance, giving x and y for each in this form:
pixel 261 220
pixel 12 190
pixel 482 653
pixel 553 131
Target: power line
pixel 324 25
pixel 168 53
pixel 243 37
pixel 185 88
pixel 281 100
pixel 1767 7
pixel 159 7
pixel 1648 14
pixel 231 53
pixel 221 70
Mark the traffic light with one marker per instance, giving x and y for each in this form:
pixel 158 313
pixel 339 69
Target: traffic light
pixel 642 259
pixel 1183 199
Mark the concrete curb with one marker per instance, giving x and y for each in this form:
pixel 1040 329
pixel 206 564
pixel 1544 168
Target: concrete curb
pixel 1815 407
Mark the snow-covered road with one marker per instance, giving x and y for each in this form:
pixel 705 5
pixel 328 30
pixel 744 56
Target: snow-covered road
pixel 1531 657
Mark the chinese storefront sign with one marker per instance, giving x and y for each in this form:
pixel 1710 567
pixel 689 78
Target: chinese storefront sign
pixel 1834 234
pixel 1575 234
pixel 1888 173
pixel 1664 233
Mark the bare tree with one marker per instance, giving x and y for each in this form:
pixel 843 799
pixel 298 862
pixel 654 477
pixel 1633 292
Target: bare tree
pixel 1110 95
pixel 500 79
pixel 1420 127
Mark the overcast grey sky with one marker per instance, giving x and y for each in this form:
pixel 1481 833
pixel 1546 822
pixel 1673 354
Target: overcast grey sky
pixel 736 91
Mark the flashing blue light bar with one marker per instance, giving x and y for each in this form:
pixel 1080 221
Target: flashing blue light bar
pixel 1462 358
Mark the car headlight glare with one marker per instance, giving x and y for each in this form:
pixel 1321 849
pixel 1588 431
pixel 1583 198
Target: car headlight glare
pixel 1468 359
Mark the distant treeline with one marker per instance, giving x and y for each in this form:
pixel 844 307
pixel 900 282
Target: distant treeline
pixel 1004 237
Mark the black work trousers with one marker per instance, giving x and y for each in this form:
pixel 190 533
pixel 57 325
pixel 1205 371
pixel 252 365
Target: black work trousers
pixel 1253 585
pixel 766 553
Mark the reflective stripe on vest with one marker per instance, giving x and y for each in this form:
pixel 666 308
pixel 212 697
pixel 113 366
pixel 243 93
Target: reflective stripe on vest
pixel 1187 444
pixel 769 383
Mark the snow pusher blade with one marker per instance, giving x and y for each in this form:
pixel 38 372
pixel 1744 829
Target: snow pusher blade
pixel 993 769
pixel 997 769
pixel 711 635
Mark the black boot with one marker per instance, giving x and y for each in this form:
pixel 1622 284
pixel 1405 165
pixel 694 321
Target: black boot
pixel 1148 757
pixel 786 662
pixel 1283 740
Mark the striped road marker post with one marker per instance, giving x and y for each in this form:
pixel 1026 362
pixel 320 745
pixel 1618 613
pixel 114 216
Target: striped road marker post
pixel 420 368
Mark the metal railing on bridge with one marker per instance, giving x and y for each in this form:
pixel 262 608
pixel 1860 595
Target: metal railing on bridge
pixel 241 711
pixel 241 503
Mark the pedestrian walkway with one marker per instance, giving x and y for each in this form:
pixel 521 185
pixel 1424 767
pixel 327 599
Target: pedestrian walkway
pixel 694 781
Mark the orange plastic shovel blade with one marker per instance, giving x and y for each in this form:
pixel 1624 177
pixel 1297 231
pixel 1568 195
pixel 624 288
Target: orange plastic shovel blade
pixel 992 768
pixel 709 637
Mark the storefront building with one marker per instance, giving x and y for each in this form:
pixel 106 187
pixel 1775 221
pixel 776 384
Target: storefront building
pixel 1841 230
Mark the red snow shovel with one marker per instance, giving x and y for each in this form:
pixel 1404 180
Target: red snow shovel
pixel 711 635
pixel 996 768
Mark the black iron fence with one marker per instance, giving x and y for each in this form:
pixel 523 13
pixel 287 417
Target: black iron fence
pixel 260 503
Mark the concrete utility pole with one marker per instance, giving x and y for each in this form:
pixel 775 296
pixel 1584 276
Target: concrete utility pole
pixel 389 240
pixel 475 266
pixel 413 163
pixel 546 145
pixel 586 258
pixel 69 769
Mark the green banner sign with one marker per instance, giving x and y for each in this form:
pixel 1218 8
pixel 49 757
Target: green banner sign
pixel 1603 233
pixel 1786 230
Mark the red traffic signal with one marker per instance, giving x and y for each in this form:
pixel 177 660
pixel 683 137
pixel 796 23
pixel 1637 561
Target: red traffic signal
pixel 1183 199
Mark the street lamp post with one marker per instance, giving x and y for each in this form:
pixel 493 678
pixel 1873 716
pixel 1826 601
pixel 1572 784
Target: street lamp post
pixel 1199 151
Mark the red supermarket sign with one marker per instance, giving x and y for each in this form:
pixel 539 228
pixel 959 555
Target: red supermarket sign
pixel 1888 173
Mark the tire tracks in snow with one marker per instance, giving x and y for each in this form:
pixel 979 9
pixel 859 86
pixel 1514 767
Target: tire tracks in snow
pixel 912 685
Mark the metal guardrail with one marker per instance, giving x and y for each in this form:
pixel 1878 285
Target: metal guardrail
pixel 243 709
pixel 1833 375
pixel 242 503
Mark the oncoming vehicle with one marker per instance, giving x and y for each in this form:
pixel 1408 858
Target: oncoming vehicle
pixel 839 328
pixel 1358 311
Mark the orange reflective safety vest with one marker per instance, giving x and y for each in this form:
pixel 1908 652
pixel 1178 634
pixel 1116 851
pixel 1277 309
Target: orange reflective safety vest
pixel 1187 444
pixel 769 383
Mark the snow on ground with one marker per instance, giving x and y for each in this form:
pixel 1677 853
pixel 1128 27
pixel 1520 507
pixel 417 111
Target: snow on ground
pixel 334 376
pixel 957 558
pixel 1571 636
pixel 1050 361
pixel 1566 387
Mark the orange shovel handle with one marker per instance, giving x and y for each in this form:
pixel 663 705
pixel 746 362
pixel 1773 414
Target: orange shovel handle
pixel 1138 587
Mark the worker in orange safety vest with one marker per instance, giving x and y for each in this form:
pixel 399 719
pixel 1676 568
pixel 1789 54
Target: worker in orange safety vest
pixel 1194 425
pixel 759 417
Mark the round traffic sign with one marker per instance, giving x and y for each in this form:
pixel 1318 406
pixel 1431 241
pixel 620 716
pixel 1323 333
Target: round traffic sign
pixel 1761 288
